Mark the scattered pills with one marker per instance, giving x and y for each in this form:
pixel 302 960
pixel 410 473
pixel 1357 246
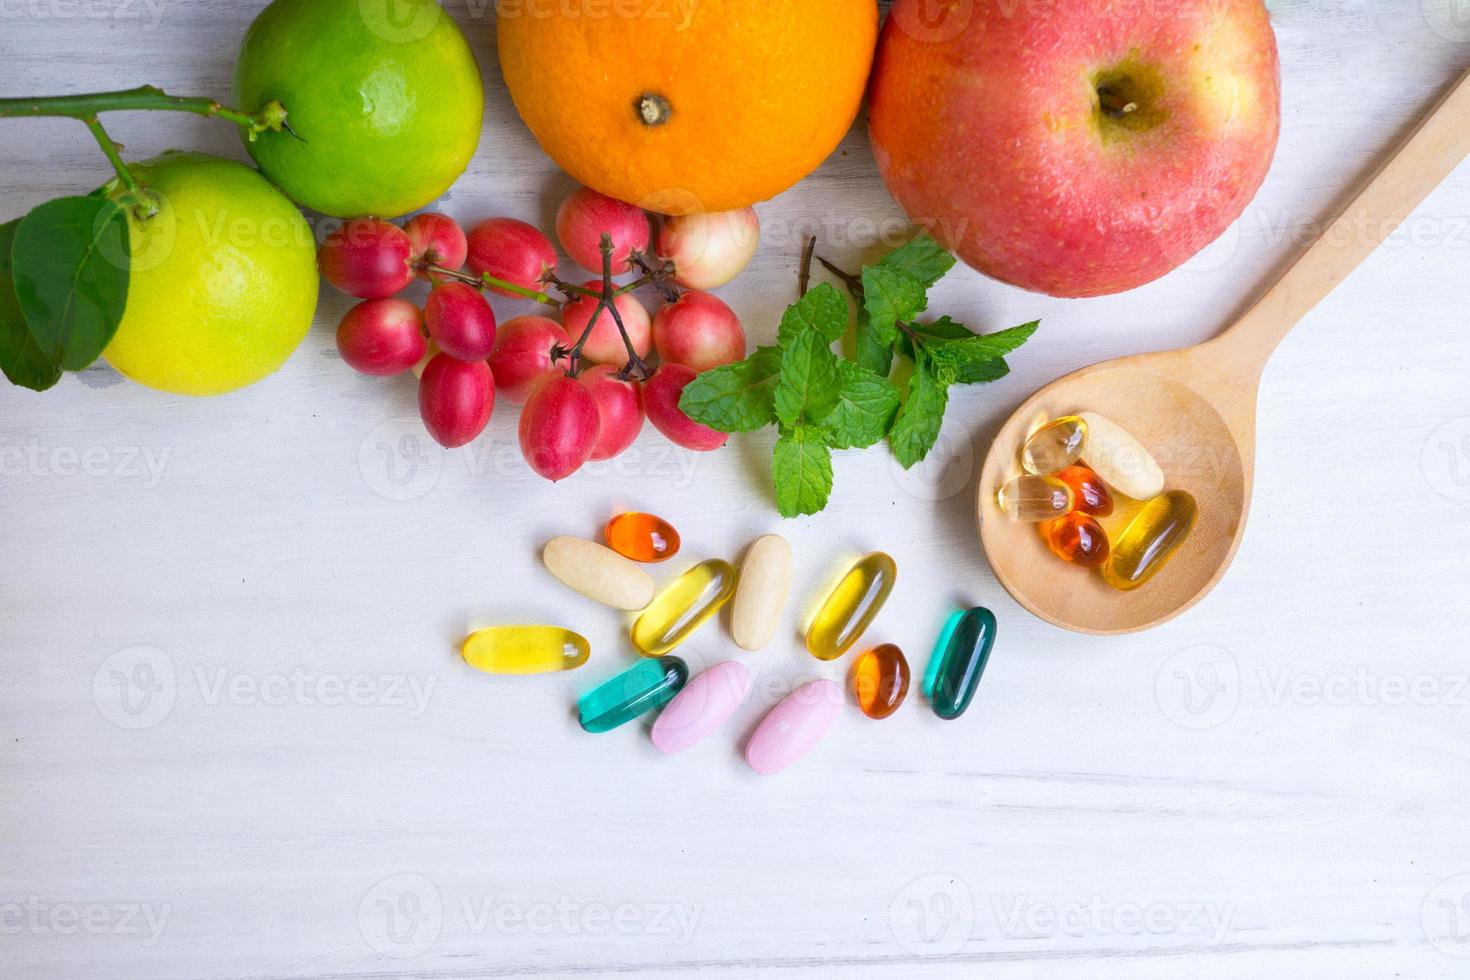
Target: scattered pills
pixel 705 703
pixel 851 608
pixel 880 681
pixel 760 596
pixel 794 727
pixel 525 650
pixel 642 537
pixel 638 690
pixel 598 573
pixel 683 606
pixel 962 663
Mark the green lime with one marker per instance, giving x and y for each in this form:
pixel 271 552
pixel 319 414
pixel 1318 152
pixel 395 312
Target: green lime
pixel 384 95
pixel 222 284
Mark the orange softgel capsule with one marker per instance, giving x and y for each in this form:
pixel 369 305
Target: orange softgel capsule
pixel 642 537
pixel 1077 538
pixel 880 681
pixel 1090 493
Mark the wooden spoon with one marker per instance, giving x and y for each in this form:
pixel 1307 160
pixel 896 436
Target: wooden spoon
pixel 1195 408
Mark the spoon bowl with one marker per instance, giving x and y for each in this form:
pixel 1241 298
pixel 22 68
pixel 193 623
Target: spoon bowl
pixel 1192 442
pixel 1195 409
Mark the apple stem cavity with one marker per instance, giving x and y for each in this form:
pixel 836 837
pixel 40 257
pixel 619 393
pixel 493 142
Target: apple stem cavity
pixel 1115 104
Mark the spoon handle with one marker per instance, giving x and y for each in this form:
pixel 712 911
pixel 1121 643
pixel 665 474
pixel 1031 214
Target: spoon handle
pixel 1384 201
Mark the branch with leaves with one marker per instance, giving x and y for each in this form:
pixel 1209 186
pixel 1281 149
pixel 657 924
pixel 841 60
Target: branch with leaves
pixel 821 402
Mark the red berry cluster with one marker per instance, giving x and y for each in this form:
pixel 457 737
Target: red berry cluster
pixel 584 382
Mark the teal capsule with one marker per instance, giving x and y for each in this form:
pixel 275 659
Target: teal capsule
pixel 940 645
pixel 963 663
pixel 636 691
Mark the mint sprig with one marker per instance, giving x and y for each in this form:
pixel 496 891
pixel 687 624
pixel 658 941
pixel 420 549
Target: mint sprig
pixel 820 401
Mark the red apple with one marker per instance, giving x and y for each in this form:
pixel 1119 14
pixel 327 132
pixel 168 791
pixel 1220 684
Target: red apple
pixel 1076 147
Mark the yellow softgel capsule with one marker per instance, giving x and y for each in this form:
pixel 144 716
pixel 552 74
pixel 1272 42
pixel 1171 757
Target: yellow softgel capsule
pixel 1148 542
pixel 683 607
pixel 1055 446
pixel 1035 498
pixel 852 607
pixel 525 650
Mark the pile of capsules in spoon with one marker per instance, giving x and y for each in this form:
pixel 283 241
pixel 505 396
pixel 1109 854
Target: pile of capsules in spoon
pixel 691 709
pixel 1075 467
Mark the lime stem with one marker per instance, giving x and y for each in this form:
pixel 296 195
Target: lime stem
pixel 137 197
pixel 145 97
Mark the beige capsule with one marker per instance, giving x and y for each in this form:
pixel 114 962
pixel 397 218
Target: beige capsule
pixel 760 597
pixel 1120 459
pixel 598 573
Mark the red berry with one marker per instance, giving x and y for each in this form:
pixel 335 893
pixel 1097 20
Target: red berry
pixel 619 408
pixel 437 240
pixel 699 331
pixel 368 258
pixel 586 216
pixel 512 251
pixel 605 345
pixel 460 321
pixel 456 399
pixel 382 337
pixel 661 402
pixel 522 355
pixel 559 427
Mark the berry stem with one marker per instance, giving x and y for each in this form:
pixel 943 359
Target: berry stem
pixel 606 300
pixel 487 281
pixel 146 97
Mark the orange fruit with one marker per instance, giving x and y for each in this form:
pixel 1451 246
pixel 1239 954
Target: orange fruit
pixel 681 106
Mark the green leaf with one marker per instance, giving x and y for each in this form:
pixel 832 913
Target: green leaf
pixel 20 357
pixel 738 397
pixel 808 383
pixel 974 348
pixel 891 295
pixel 822 310
pixel 803 472
pixel 872 353
pixel 866 404
pixel 71 277
pixel 922 258
pixel 981 372
pixel 917 428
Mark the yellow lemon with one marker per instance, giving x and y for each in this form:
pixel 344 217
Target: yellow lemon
pixel 223 279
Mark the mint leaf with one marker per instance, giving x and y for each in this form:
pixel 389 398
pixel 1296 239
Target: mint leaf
pixel 891 295
pixel 916 429
pixel 960 343
pixel 803 472
pixel 807 386
pixel 981 372
pixel 866 403
pixel 872 353
pixel 823 311
pixel 737 397
pixel 21 357
pixel 70 269
pixel 922 258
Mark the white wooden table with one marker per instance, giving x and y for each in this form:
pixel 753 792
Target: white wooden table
pixel 238 742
